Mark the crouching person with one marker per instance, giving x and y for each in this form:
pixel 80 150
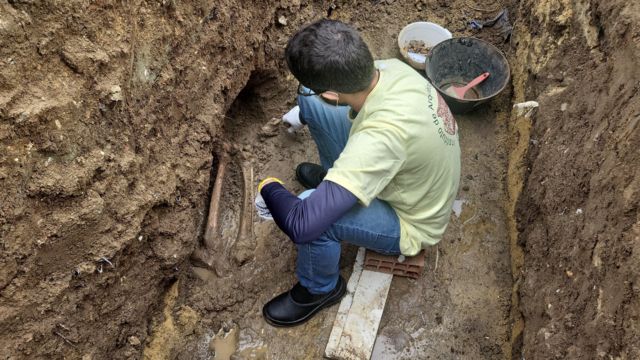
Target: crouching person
pixel 390 164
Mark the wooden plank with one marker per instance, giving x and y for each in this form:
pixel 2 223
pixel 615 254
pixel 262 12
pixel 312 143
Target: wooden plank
pixel 356 325
pixel 363 320
pixel 331 351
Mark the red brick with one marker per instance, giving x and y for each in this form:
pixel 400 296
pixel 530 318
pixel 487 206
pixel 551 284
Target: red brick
pixel 411 266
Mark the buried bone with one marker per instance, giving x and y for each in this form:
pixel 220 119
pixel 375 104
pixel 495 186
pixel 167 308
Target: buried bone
pixel 243 248
pixel 214 204
pixel 205 256
pixel 229 231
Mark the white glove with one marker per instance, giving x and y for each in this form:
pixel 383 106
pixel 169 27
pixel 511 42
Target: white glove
pixel 292 120
pixel 263 210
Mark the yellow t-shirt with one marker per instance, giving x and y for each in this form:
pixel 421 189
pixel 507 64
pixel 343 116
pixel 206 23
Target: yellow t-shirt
pixel 403 148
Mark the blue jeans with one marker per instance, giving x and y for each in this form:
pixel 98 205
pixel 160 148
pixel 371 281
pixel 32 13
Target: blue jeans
pixel 375 227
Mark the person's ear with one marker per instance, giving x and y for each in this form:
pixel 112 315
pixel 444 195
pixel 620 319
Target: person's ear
pixel 330 96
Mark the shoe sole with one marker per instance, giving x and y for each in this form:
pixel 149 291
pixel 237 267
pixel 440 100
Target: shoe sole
pixel 331 301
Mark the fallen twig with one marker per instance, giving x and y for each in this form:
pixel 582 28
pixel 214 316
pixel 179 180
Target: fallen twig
pixel 469 219
pixel 437 256
pixel 65 339
pixel 107 261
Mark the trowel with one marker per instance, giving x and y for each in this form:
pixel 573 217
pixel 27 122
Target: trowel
pixel 460 91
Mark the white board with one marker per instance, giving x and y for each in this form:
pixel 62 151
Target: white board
pixel 356 325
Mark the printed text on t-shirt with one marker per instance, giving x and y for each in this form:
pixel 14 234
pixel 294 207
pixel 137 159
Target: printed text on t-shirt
pixel 443 119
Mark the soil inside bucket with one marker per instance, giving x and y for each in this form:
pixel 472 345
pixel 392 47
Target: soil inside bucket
pixel 417 47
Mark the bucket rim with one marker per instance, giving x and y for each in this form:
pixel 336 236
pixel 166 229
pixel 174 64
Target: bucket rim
pixel 498 51
pixel 402 41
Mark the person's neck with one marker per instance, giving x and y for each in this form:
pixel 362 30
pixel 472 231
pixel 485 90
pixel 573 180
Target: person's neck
pixel 356 100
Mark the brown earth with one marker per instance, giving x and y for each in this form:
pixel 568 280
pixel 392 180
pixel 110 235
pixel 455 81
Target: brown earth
pixel 110 112
pixel 578 213
pixel 113 116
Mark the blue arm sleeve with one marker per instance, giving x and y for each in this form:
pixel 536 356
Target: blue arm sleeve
pixel 305 220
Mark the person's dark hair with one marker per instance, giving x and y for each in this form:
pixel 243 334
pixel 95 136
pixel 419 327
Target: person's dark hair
pixel 330 55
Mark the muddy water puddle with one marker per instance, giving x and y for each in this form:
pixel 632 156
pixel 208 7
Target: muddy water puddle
pixel 238 343
pixel 224 344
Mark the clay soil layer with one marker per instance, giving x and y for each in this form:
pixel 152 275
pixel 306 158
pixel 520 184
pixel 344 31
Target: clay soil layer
pixel 113 116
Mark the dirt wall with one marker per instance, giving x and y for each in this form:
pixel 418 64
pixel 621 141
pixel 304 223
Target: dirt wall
pixel 109 114
pixel 577 213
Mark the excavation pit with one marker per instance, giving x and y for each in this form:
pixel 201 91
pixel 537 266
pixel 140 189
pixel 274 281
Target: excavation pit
pixel 110 116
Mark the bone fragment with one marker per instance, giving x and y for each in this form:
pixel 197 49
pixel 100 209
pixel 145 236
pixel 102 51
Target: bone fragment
pixel 243 246
pixel 214 204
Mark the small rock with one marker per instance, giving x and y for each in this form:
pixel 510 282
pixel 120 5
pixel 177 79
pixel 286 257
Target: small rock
pixel 83 56
pixel 115 93
pixel 134 341
pixel 569 273
pixel 282 20
pixel 465 188
pixel 525 109
pixel 457 207
pixel 45 46
pixel 271 128
pixel 563 106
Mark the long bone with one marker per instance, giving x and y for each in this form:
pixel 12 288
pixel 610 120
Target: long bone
pixel 216 255
pixel 214 204
pixel 243 247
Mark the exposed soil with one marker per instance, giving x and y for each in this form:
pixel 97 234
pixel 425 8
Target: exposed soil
pixel 114 119
pixel 417 47
pixel 578 213
pixel 110 114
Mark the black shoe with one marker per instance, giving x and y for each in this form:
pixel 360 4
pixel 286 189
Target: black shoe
pixel 298 305
pixel 310 175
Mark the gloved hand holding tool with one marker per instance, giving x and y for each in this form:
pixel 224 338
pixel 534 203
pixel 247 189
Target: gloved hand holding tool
pixel 292 120
pixel 261 206
pixel 263 210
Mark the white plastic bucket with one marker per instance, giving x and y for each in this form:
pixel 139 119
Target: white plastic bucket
pixel 429 33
